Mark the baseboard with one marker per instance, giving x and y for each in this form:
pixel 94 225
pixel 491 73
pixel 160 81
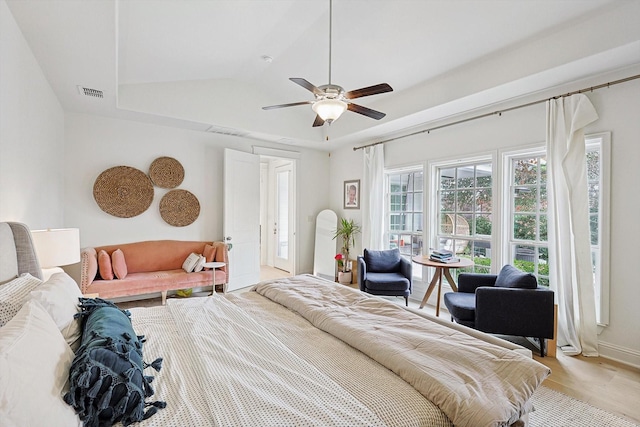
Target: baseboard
pixel 620 354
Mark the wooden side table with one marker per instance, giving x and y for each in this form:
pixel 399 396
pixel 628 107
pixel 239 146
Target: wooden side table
pixel 213 265
pixel 441 268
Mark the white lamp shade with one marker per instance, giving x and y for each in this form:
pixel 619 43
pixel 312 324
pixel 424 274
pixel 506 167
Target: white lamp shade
pixel 329 109
pixel 56 247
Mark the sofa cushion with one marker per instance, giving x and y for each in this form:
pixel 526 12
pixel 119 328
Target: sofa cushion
pixel 386 282
pixel 104 265
pixel 191 262
pixel 511 277
pixel 89 258
pixel 209 253
pixel 461 305
pixel 153 282
pixel 199 264
pixel 119 264
pixel 382 261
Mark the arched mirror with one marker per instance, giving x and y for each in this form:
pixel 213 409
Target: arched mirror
pixel 324 264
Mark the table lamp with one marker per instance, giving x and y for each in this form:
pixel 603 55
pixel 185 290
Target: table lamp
pixel 55 248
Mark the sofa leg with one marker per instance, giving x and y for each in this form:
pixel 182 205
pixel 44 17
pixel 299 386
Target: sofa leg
pixel 406 301
pixel 541 346
pixel 164 297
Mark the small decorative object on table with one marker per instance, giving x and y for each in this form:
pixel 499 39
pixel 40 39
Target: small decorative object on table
pixel 443 256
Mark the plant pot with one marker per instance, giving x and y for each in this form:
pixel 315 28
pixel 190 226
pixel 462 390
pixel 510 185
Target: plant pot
pixel 344 277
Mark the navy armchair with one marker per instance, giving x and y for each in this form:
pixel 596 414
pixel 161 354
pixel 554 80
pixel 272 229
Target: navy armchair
pixel 510 303
pixel 384 273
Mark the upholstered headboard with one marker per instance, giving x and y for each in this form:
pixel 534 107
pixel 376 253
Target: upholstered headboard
pixel 17 254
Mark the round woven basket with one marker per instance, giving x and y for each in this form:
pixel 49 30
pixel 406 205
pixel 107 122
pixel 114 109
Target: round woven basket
pixel 166 172
pixel 123 191
pixel 179 208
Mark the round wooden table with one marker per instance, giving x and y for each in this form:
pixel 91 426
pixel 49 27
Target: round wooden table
pixel 441 268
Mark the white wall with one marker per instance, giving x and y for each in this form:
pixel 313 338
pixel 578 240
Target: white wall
pixel 31 135
pixel 94 144
pixel 619 109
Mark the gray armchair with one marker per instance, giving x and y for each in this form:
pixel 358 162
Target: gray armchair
pixel 384 273
pixel 510 303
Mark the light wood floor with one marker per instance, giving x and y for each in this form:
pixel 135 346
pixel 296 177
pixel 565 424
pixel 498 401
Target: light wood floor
pixel 603 383
pixel 600 382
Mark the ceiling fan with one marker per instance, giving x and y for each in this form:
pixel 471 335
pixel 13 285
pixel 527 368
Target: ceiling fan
pixel 332 100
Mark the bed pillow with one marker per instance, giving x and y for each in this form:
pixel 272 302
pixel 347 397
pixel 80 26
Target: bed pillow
pixel 59 296
pixel 106 379
pixel 190 263
pixel 119 264
pixel 104 265
pixel 13 295
pixel 209 253
pixel 34 367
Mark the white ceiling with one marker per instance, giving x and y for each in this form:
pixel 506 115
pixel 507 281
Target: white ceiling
pixel 197 63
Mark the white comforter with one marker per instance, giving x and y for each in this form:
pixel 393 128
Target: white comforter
pixel 244 360
pixel 475 383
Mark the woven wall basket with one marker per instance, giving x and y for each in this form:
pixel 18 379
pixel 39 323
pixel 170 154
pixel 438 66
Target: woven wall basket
pixel 179 208
pixel 123 191
pixel 166 172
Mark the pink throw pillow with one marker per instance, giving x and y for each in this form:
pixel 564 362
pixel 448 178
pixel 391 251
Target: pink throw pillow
pixel 104 265
pixel 209 253
pixel 119 264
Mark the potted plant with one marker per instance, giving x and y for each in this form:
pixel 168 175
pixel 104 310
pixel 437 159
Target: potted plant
pixel 347 230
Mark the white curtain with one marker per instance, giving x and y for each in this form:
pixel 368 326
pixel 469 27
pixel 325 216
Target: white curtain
pixel 571 275
pixel 373 206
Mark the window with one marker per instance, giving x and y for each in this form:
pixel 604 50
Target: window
pixel 526 210
pixel 464 212
pixel 528 247
pixel 598 172
pixel 405 212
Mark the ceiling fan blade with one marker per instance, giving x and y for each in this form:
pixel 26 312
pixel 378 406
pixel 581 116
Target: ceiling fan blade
pixel 365 111
pixel 318 121
pixel 308 86
pixel 367 91
pixel 272 107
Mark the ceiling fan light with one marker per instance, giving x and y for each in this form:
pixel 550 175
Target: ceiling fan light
pixel 329 109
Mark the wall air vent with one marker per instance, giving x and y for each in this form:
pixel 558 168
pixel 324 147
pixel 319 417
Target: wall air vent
pixel 227 131
pixel 94 93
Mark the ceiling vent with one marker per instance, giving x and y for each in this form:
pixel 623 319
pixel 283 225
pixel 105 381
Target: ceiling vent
pixel 94 93
pixel 227 131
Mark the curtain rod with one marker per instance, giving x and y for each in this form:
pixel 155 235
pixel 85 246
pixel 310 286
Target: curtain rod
pixel 499 112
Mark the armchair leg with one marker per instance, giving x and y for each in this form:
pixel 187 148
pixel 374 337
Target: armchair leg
pixel 541 346
pixel 406 301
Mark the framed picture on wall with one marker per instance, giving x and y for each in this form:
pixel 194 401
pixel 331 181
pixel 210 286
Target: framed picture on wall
pixel 352 194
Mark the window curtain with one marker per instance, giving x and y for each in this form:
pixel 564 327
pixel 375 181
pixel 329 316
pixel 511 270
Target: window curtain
pixel 373 206
pixel 571 275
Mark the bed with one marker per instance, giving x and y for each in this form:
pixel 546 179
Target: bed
pixel 304 351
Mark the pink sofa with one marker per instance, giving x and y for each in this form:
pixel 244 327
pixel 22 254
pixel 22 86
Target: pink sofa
pixel 153 266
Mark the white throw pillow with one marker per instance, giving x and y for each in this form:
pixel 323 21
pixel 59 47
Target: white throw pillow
pixel 34 367
pixel 200 264
pixel 59 296
pixel 190 263
pixel 13 294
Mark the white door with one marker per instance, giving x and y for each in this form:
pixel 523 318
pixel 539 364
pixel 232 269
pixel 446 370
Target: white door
pixel 241 221
pixel 283 225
